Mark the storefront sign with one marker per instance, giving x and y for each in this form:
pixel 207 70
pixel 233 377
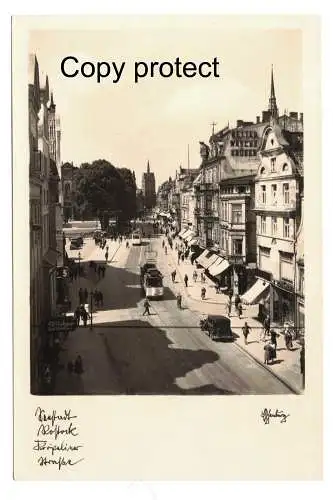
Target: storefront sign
pixel 61 324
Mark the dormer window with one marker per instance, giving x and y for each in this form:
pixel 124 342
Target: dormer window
pixel 262 170
pixel 272 142
pixel 285 167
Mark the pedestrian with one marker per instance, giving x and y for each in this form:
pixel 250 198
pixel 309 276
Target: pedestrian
pixel 240 309
pixel 267 324
pixel 86 295
pixel 195 276
pixel 186 280
pixel 84 315
pixel 81 296
pixel 165 249
pixel 203 293
pixel 202 277
pixel 267 354
pixel 173 276
pixel 96 297
pixel 78 365
pixel 146 306
pixel 77 315
pixel 246 330
pixel 274 336
pixel 237 301
pixel 106 256
pixel 288 339
pixel 163 243
pixel 183 257
pixel 229 307
pixel 179 300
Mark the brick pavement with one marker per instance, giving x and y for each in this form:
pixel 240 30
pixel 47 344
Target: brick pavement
pixel 286 366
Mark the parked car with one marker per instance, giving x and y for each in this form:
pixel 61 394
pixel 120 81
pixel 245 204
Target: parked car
pixel 217 327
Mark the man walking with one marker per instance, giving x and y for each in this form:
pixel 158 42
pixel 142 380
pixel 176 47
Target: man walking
pixel 173 276
pixel 246 330
pixel 146 306
pixel 186 280
pixel 195 276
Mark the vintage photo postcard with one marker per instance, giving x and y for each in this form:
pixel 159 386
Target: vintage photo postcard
pixel 167 242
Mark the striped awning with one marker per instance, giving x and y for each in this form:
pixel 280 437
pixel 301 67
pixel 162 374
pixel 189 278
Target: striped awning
pixel 254 294
pixel 219 267
pixel 188 236
pixel 207 258
pixel 182 232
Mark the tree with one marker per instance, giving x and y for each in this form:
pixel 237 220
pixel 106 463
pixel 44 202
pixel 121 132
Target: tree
pixel 105 191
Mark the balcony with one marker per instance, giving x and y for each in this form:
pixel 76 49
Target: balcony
pixel 206 212
pixel 206 186
pixel 275 206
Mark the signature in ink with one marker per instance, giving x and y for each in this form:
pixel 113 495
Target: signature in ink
pixel 60 462
pixel 267 414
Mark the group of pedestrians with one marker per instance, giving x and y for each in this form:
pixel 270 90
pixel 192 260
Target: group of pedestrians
pixel 81 313
pixel 99 270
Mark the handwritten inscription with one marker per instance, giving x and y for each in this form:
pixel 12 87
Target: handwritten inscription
pixel 56 442
pixel 279 415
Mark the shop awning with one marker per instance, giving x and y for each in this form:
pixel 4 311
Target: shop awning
pixel 254 294
pixel 207 258
pixel 188 236
pixel 193 241
pixel 182 232
pixel 219 267
pixel 201 259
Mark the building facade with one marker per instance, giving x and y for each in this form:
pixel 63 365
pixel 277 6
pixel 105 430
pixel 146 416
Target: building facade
pixel 35 197
pixel 279 182
pixel 149 188
pixel 43 203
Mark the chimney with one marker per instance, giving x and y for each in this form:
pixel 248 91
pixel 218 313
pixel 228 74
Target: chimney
pixel 293 114
pixel 239 123
pixel 258 119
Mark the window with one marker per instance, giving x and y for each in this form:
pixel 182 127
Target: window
pixel 274 226
pixel 241 189
pixel 263 194
pixel 286 228
pixel 301 280
pixel 273 164
pixel 238 247
pixel 286 194
pixel 274 192
pixel 263 224
pixel 237 213
pixel 286 266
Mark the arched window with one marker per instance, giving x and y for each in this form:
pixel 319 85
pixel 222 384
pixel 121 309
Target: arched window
pixel 262 170
pixel 285 167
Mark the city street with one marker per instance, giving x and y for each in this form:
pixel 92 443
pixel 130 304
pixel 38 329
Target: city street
pixel 164 353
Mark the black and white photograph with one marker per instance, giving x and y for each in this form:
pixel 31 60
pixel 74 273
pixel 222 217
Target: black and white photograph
pixel 166 199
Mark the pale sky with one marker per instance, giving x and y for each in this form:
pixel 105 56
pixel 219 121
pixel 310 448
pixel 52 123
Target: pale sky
pixel 127 123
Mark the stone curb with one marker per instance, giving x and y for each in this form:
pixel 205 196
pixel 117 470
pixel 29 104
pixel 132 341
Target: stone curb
pixel 272 372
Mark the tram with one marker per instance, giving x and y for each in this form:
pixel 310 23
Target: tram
pixel 136 238
pixel 152 283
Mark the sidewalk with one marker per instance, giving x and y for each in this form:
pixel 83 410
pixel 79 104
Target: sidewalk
pixel 83 341
pixel 287 364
